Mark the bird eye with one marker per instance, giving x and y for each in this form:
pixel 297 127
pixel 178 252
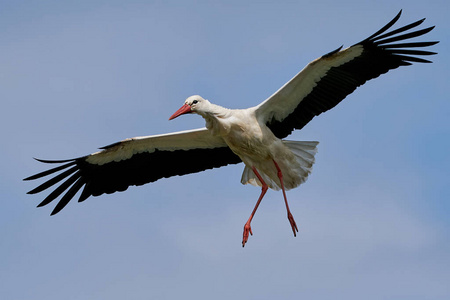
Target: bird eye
pixel 195 102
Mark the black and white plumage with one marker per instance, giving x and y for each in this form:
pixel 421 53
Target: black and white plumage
pixel 252 135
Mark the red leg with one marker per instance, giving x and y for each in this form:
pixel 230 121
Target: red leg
pixel 289 215
pixel 247 228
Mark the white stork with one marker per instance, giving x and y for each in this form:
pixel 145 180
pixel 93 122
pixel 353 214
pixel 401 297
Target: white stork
pixel 253 136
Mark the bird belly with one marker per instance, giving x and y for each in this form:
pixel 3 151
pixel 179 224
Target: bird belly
pixel 260 151
pixel 248 144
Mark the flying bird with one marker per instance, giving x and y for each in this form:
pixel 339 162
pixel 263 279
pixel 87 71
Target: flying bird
pixel 254 136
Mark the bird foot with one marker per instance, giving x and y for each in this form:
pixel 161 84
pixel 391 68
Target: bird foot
pixel 247 230
pixel 293 225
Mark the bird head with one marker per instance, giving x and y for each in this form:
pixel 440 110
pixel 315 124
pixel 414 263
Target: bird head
pixel 193 104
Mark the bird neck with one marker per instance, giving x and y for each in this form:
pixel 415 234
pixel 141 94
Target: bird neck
pixel 215 117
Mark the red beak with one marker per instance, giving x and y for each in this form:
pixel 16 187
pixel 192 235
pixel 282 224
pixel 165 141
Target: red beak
pixel 183 110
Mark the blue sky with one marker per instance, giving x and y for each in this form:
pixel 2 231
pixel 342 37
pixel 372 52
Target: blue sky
pixel 373 216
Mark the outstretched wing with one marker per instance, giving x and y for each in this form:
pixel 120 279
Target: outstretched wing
pixel 326 81
pixel 134 161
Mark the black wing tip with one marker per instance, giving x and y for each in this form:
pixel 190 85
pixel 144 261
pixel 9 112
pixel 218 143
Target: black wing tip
pixel 55 161
pixel 384 28
pixel 54 211
pixel 58 161
pixel 69 162
pixel 48 161
pixel 387 41
pixel 41 204
pixel 71 173
pixel 395 19
pixel 33 191
pixel 379 34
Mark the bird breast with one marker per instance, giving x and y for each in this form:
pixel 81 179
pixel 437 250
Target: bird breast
pixel 247 138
